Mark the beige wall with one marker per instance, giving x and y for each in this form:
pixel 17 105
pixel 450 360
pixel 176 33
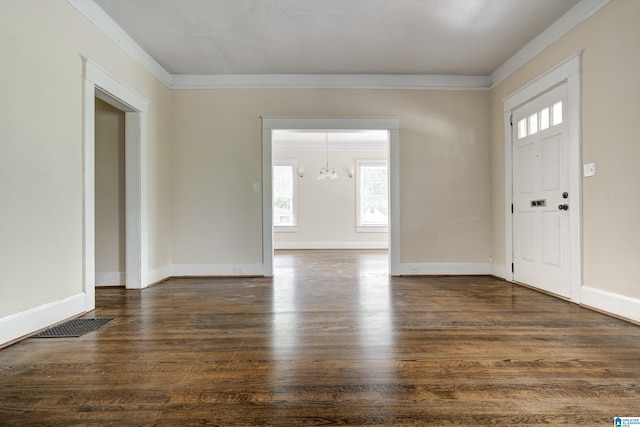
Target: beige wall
pixel 109 188
pixel 204 156
pixel 610 111
pixel 327 208
pixel 444 168
pixel 41 178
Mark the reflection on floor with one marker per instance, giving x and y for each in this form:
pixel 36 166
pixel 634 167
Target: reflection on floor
pixel 330 340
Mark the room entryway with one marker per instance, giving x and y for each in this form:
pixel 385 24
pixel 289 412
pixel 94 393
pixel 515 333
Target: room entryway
pixel 98 84
pixel 543 182
pixel 541 197
pixel 336 125
pixel 109 195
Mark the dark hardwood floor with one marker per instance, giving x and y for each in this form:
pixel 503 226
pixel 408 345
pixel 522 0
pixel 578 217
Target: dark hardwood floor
pixel 331 340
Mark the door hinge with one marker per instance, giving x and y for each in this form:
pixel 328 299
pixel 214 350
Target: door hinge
pixel 511 207
pixel 511 120
pixel 512 269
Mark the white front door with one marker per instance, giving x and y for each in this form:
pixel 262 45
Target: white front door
pixel 541 199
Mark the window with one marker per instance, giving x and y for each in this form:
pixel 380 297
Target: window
pixel 540 120
pixel 544 118
pixel 522 128
pixel 557 113
pixel 372 196
pixel 284 195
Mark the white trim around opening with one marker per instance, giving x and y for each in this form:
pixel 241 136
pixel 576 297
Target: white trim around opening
pixel 568 71
pixel 99 83
pixel 390 124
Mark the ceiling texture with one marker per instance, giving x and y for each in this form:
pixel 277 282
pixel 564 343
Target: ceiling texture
pixel 343 37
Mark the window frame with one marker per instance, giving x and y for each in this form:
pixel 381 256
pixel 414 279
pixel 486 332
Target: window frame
pixel 369 228
pixel 293 163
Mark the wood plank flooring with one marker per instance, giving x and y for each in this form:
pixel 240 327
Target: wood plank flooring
pixel 330 340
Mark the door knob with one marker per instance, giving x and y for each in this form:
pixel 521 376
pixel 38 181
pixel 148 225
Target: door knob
pixel 564 207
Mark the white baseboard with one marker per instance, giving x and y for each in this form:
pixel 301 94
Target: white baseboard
pixel 158 274
pixel 480 268
pixel 112 278
pixel 27 322
pixel 609 302
pixel 180 270
pixel 502 272
pixel 331 245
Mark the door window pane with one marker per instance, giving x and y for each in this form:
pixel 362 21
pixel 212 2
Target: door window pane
pixel 544 118
pixel 522 128
pixel 556 113
pixel 533 123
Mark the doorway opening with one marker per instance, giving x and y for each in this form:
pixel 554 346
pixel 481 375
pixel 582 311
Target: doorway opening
pixel 110 249
pixel 330 189
pixel 538 238
pixel 283 140
pixel 98 84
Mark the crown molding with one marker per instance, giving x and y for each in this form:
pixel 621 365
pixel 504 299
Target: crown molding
pixel 100 19
pixel 104 22
pixel 566 23
pixel 330 81
pixel 562 26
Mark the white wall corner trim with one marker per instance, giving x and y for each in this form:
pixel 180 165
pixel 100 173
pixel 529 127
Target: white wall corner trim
pixel 445 268
pixel 501 271
pixel 222 270
pixel 158 274
pixel 562 26
pixel 104 22
pixel 330 81
pixel 609 302
pixel 27 322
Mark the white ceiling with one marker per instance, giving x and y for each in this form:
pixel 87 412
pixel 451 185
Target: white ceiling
pixel 415 37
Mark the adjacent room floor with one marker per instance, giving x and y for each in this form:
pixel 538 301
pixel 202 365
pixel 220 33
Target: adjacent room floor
pixel 330 340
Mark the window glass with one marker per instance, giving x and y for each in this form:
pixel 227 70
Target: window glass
pixel 522 128
pixel 283 195
pixel 544 118
pixel 556 113
pixel 373 200
pixel 533 123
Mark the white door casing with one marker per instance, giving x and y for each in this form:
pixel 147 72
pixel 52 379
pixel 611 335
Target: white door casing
pixel 567 73
pixel 391 124
pixel 99 83
pixel 540 193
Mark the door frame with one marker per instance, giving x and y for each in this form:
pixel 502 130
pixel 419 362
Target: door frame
pixel 568 72
pixel 390 124
pixel 100 84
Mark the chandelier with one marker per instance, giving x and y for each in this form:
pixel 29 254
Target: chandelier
pixel 326 172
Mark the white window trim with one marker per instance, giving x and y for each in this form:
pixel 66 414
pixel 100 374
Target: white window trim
pixel 294 209
pixel 368 228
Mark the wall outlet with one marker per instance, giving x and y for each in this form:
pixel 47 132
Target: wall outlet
pixel 414 270
pixel 237 270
